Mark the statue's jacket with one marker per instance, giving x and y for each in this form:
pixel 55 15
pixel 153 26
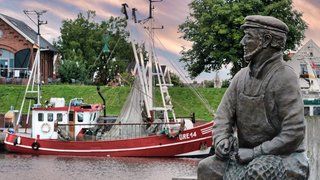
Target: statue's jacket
pixel 265 108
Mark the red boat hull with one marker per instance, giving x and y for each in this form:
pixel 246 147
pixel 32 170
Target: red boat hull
pixel 193 142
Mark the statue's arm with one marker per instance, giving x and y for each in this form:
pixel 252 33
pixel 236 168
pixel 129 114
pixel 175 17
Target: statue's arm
pixel 289 106
pixel 225 116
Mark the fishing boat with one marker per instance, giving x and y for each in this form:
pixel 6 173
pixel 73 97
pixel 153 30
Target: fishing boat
pixel 141 130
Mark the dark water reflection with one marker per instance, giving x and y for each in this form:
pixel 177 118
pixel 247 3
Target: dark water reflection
pixel 25 167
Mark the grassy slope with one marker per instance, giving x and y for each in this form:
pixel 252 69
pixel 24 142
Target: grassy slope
pixel 183 99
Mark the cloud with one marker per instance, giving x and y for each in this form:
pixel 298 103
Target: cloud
pixel 59 11
pixel 102 8
pixel 169 41
pixel 171 14
pixel 310 10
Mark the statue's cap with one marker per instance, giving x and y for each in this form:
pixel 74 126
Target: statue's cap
pixel 265 22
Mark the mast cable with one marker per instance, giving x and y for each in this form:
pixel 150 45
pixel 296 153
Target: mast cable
pixel 183 76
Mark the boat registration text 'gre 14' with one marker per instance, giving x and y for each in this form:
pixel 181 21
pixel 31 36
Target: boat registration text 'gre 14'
pixel 187 135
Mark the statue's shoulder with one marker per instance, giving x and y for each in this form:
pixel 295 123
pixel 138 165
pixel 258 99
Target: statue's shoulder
pixel 285 71
pixel 241 73
pixel 238 77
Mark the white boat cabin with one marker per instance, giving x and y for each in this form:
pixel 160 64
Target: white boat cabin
pixel 72 119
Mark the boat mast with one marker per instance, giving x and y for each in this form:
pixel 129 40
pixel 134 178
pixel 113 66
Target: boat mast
pixel 152 68
pixel 35 71
pixel 166 99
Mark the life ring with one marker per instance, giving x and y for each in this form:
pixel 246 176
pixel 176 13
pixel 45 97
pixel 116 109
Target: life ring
pixel 35 145
pixel 45 128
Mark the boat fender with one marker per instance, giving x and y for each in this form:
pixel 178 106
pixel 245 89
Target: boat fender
pixel 45 128
pixel 17 140
pixel 35 145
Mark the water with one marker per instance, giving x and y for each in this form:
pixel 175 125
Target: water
pixel 25 167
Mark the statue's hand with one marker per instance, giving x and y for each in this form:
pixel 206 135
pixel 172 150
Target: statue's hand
pixel 244 155
pixel 223 149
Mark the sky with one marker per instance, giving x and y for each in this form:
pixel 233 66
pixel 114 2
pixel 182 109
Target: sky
pixel 168 13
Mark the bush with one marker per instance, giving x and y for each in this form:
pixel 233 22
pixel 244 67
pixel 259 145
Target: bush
pixel 70 71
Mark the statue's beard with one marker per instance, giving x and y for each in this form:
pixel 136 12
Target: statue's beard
pixel 249 57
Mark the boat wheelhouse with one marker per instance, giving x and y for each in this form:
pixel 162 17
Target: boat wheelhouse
pixel 56 118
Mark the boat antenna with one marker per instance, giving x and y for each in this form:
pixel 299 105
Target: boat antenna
pixel 124 10
pixel 152 7
pixel 134 17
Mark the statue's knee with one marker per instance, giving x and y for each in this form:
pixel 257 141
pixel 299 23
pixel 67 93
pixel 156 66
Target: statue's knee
pixel 203 166
pixel 210 168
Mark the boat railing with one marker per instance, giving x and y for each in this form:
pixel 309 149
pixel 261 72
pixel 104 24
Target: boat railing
pixel 120 124
pixel 117 131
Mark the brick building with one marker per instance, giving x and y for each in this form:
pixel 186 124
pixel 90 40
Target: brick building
pixel 18 47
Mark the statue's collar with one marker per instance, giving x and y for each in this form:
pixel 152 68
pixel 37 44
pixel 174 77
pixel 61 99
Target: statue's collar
pixel 259 71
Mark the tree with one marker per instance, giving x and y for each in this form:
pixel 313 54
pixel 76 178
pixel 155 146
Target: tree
pixel 82 41
pixel 214 29
pixel 72 70
pixel 225 83
pixel 175 80
pixel 208 83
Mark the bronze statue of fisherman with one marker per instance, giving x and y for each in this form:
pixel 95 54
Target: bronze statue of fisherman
pixel 259 125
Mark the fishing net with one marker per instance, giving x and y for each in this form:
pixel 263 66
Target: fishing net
pixel 131 114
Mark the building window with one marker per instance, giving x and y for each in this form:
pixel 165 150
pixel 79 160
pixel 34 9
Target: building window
pixel 317 71
pixel 40 116
pixel 6 63
pixel 306 111
pixel 303 69
pixel 59 117
pixel 50 117
pixel 80 117
pixel 316 111
pixel 21 63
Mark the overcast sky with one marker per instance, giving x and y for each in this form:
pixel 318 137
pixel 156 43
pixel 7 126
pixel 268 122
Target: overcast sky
pixel 169 13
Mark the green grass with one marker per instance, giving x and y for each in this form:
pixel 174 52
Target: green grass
pixel 183 99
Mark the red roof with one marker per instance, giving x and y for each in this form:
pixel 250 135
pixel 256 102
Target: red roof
pixel 81 108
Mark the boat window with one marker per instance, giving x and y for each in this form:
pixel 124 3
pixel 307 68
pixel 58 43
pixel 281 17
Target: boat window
pixel 90 116
pixel 94 116
pixel 316 111
pixel 71 116
pixel 80 117
pixel 59 117
pixel 50 117
pixel 40 116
